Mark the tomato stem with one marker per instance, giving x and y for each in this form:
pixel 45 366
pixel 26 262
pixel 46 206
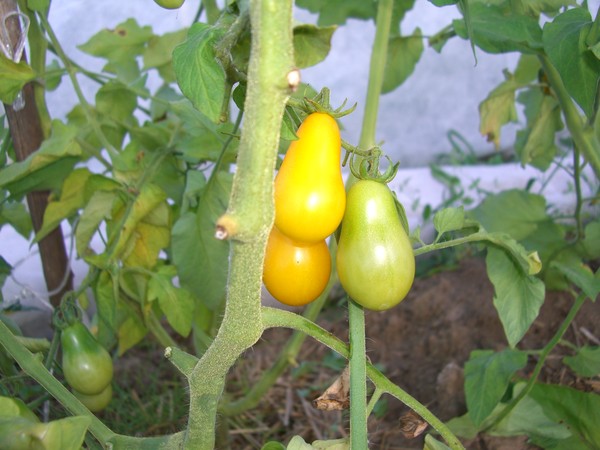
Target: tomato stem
pixel 358 376
pixel 273 317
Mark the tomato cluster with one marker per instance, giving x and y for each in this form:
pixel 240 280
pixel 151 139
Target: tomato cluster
pixel 309 205
pixel 375 261
pixel 87 366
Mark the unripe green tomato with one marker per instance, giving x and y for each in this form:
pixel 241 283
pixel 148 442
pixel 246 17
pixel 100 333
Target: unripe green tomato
pixel 95 402
pixel 87 366
pixel 375 260
pixel 169 4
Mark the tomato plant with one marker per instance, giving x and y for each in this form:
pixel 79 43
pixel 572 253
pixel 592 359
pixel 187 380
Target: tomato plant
pixel 375 260
pixel 87 366
pixel 295 273
pixel 309 190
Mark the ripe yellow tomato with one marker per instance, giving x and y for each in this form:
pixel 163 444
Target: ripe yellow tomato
pixel 295 273
pixel 310 197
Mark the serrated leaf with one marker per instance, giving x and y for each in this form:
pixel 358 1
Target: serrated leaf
pixel 564 42
pixel 149 199
pixel 404 52
pixel 581 276
pixel 487 375
pixel 56 156
pixel 200 258
pixel 130 333
pixel 498 109
pixel 106 303
pixel 311 44
pixel 17 216
pixel 199 74
pixel 586 362
pixel 495 31
pixel 116 101
pixel 126 41
pixel 518 297
pixel 98 208
pixel 203 140
pixel 449 219
pixel 176 303
pixel 580 411
pixel 515 212
pixel 13 76
pixel 535 145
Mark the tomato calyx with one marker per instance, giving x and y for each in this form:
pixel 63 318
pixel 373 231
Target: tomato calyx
pixel 320 104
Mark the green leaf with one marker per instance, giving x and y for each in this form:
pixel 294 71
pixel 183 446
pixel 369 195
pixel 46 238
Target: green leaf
pixel 449 219
pixel 38 5
pixel 514 211
pixel 16 215
pixel 106 303
pixel 404 52
pixel 564 42
pixel 580 411
pixel 495 31
pixel 498 109
pixel 48 166
pixel 518 297
pixel 526 418
pixel 199 73
pixel 487 375
pixel 149 199
pixel 159 53
pixel 5 270
pixel 586 362
pixel 297 443
pixel 64 434
pixel 581 276
pixel 432 443
pixel 443 2
pixel 331 444
pixel 76 191
pixel 116 101
pixel 130 333
pixel 52 81
pixel 203 140
pixel 591 241
pixel 200 258
pixel 126 41
pixel 311 44
pixel 98 208
pixel 176 303
pixel 13 76
pixel 535 144
pixel 336 12
pixel 272 445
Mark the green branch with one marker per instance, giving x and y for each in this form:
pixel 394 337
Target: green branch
pixel 273 317
pixel 581 134
pixel 541 361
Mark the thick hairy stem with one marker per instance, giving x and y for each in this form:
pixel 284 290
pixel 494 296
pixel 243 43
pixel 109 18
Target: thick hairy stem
pixel 250 214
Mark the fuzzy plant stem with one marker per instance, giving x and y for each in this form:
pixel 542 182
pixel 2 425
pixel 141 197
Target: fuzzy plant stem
pixel 250 214
pixel 273 317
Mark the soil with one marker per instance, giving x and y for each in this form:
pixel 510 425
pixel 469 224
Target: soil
pixel 421 345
